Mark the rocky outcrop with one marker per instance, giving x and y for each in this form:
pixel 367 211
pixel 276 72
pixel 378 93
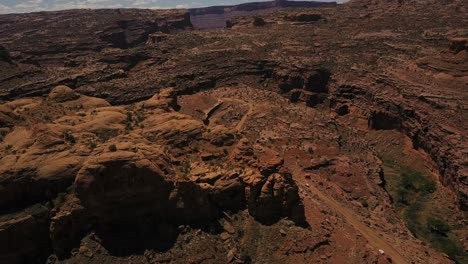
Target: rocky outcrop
pixel 311 80
pixel 269 198
pixel 62 94
pixel 143 185
pixel 69 224
pixel 24 236
pixel 115 170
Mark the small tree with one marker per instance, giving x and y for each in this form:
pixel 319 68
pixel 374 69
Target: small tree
pixel 438 226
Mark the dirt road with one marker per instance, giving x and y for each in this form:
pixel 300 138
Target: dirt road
pixel 371 236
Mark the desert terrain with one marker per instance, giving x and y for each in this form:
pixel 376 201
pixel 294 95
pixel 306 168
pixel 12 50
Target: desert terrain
pixel 335 134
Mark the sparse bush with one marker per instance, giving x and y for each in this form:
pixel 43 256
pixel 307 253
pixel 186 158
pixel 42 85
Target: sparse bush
pixel 417 182
pixel 411 194
pixel 185 168
pixel 258 22
pixel 129 117
pixel 438 226
pixel 402 196
pixel 128 122
pixel 92 145
pixel 364 202
pixel 61 198
pixel 113 148
pixel 140 116
pixel 104 134
pixel 3 133
pixel 68 137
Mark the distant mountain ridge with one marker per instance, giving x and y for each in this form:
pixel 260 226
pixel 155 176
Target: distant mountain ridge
pixel 256 6
pixel 215 16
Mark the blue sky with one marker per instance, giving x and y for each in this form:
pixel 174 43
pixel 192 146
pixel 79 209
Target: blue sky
pixel 21 6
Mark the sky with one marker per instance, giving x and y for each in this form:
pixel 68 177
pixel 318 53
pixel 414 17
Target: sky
pixel 22 6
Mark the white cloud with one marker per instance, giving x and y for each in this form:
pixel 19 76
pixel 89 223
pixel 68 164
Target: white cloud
pixel 4 9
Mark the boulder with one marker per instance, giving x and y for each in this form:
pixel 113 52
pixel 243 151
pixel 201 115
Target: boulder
pixel 62 93
pixel 165 99
pixel 270 198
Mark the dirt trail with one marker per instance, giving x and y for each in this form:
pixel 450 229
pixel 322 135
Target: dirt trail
pixel 373 238
pixel 240 126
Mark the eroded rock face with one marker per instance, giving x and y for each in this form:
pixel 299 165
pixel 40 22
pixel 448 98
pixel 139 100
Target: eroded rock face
pixel 24 236
pixel 138 182
pixel 271 197
pixel 109 169
pixel 68 226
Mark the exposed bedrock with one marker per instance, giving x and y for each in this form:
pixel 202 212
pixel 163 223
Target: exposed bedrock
pixel 24 236
pixel 93 179
pixel 311 80
pixel 119 28
pixel 144 184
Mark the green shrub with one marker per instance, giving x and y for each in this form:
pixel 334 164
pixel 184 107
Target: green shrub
pixel 113 148
pixel 438 226
pixel 417 182
pixel 129 117
pixel 92 145
pixel 364 203
pixel 68 137
pixel 450 247
pixel 402 196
